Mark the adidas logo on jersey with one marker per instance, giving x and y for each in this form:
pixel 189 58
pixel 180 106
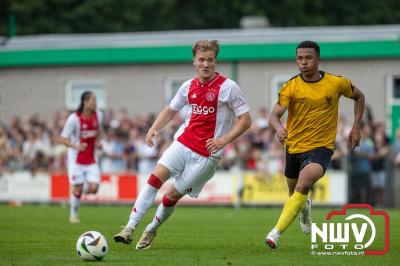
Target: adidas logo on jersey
pixel 194 96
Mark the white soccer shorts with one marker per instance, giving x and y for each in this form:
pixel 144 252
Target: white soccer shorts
pixel 79 174
pixel 189 170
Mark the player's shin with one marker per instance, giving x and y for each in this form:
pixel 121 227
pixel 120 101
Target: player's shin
pixel 85 188
pixel 144 201
pixel 293 205
pixel 164 211
pixel 74 201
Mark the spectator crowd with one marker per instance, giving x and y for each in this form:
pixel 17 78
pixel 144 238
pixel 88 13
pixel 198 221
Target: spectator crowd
pixel 26 143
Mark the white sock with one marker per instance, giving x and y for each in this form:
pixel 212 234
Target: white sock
pixel 85 188
pixel 74 202
pixel 162 214
pixel 306 207
pixel 276 231
pixel 143 203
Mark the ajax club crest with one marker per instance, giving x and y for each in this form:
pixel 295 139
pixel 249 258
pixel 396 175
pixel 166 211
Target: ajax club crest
pixel 210 96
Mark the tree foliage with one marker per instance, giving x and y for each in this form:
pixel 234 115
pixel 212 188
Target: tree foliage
pixel 94 16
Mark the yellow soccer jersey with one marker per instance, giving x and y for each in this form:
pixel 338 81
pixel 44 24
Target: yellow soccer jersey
pixel 313 110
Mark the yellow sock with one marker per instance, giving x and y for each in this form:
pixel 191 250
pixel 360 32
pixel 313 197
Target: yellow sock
pixel 293 205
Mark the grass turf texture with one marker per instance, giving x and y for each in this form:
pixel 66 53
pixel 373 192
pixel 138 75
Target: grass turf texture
pixel 41 235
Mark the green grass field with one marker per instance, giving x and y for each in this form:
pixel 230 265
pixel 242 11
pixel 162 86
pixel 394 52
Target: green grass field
pixel 41 235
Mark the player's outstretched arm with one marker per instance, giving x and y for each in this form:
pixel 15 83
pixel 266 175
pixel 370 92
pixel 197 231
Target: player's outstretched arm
pixel 275 122
pixel 161 121
pixel 243 123
pixel 359 106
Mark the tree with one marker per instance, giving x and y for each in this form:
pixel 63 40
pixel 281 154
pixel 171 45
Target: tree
pixel 94 16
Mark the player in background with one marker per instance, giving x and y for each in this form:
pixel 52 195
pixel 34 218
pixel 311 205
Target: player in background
pixel 80 134
pixel 192 158
pixel 312 100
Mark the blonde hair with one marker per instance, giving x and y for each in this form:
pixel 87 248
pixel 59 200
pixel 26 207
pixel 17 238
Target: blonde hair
pixel 206 45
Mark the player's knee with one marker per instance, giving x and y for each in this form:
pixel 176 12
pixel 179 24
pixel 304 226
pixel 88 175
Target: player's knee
pixel 172 194
pixel 93 189
pixel 155 181
pixel 168 202
pixel 77 192
pixel 161 172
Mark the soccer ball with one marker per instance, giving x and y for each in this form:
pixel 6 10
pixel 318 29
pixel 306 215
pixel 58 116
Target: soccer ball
pixel 92 245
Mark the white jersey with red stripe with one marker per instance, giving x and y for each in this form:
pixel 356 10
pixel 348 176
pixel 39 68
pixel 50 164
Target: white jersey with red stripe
pixel 214 106
pixel 79 129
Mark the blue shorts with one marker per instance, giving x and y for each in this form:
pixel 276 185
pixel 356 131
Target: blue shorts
pixel 295 162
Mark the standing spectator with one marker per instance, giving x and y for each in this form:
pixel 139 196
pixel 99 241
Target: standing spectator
pixel 59 155
pixel 130 149
pixel 368 117
pixel 341 145
pixel 29 148
pixel 261 121
pixel 275 158
pixel 147 156
pixel 4 148
pixel 378 176
pixel 113 146
pixel 396 148
pixel 362 167
pixel 15 160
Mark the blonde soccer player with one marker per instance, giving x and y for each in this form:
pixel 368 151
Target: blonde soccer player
pixel 191 160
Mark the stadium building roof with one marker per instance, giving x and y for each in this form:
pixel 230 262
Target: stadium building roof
pixel 259 44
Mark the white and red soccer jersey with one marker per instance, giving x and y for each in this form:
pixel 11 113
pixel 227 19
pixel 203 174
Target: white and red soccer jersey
pixel 79 129
pixel 213 107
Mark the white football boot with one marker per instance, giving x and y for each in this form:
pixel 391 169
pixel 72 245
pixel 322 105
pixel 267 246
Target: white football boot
pixel 272 238
pixel 305 217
